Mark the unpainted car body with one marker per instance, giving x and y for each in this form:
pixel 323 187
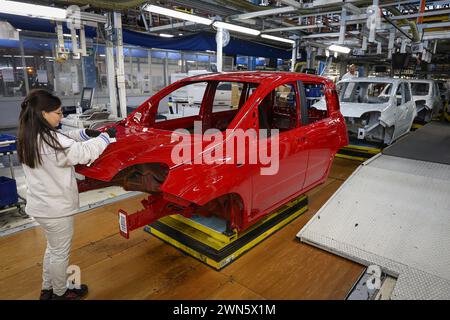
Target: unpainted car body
pixel 444 90
pixel 427 99
pixel 377 110
pixel 141 158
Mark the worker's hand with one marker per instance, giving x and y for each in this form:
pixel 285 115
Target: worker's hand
pixel 92 133
pixel 111 132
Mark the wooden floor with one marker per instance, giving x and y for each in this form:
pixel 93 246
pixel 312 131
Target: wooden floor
pixel 146 268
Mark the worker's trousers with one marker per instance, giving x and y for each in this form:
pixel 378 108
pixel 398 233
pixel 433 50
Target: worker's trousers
pixel 58 232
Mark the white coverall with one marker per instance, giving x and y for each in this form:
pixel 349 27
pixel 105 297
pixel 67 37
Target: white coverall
pixel 52 198
pixel 349 75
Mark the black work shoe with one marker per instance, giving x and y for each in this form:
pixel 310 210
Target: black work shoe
pixel 73 294
pixel 46 294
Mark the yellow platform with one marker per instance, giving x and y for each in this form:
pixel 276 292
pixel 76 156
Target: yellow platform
pixel 204 238
pixel 447 111
pixel 355 152
pixel 416 126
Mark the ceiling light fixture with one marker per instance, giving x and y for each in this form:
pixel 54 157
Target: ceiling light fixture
pixel 233 27
pixel 32 10
pixel 266 36
pixel 165 35
pixel 337 48
pixel 177 14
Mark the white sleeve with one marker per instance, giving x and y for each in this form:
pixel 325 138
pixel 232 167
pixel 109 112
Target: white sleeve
pixel 81 152
pixel 77 135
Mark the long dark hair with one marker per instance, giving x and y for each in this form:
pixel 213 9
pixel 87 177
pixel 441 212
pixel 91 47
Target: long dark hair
pixel 32 124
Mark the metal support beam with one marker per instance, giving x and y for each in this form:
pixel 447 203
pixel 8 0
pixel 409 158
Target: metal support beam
pixel 438 35
pixel 293 3
pixel 171 26
pixel 343 27
pixel 391 43
pixel 111 79
pixel 327 3
pixel 373 20
pixel 93 17
pixel 219 42
pixel 329 35
pixel 364 43
pixel 352 8
pixel 110 70
pixel 120 64
pixel 24 65
pixel 73 37
pixel 294 55
pixel 293 28
pixel 425 14
pixel 144 20
pixel 82 41
pixel 262 13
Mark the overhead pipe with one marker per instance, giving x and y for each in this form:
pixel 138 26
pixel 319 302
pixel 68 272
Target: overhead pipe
pixel 103 4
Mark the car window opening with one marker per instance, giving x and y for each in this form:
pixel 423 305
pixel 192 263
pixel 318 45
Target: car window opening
pixel 221 102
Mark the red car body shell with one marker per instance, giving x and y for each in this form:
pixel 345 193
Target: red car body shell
pixel 306 152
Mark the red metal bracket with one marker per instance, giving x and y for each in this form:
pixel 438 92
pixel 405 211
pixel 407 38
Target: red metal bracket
pixel 155 207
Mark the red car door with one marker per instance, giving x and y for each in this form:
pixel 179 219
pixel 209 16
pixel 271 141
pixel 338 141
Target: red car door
pixel 270 191
pixel 322 139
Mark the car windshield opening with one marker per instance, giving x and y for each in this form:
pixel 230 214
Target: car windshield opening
pixel 365 92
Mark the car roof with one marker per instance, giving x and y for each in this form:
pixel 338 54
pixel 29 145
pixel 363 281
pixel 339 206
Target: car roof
pixel 372 79
pixel 421 81
pixel 256 76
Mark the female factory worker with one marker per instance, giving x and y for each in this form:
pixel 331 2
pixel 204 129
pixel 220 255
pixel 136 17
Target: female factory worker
pixel 48 157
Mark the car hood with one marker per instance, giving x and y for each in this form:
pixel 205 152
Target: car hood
pixel 133 147
pixel 354 110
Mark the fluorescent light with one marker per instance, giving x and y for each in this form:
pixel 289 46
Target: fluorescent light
pixel 233 27
pixel 33 10
pixel 336 48
pixel 177 14
pixel 165 35
pixel 180 34
pixel 266 36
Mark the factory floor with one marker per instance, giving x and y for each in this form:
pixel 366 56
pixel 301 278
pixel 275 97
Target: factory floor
pixel 144 267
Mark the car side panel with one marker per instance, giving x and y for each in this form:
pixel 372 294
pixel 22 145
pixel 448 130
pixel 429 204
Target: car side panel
pixel 324 138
